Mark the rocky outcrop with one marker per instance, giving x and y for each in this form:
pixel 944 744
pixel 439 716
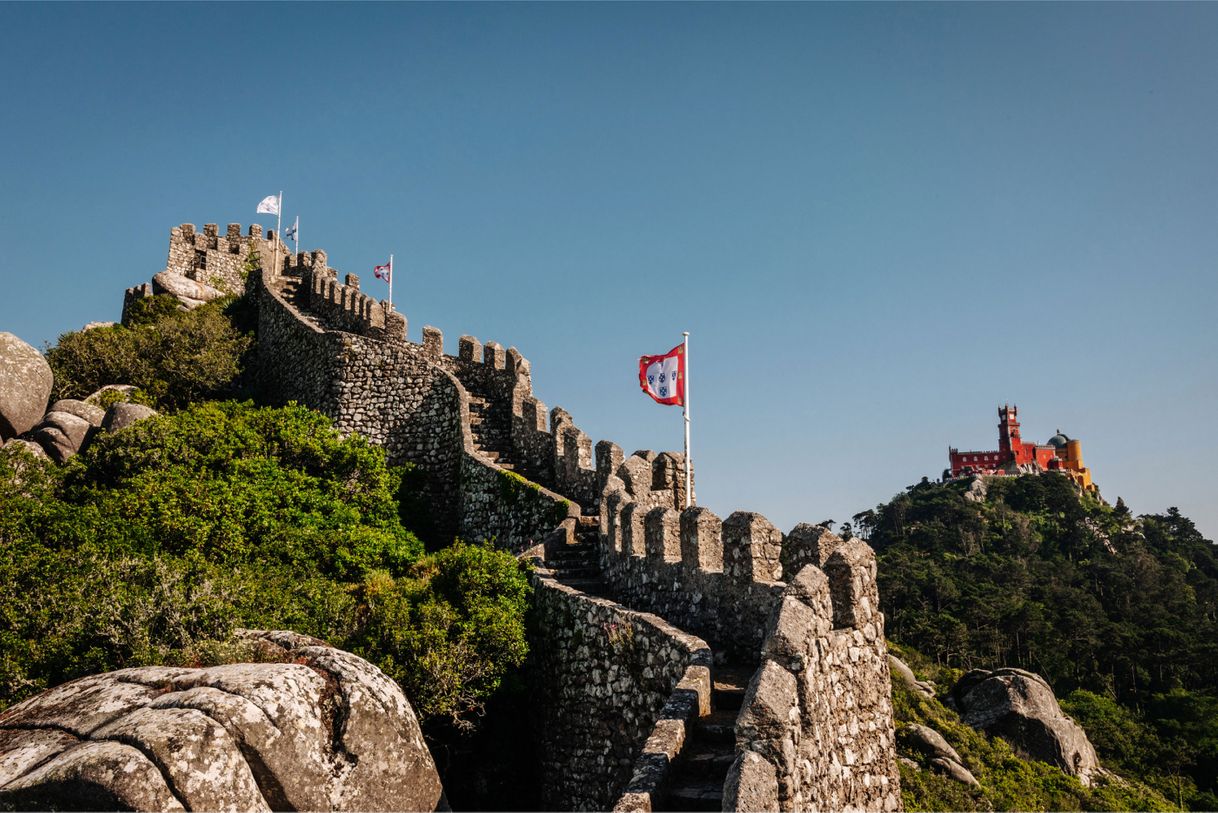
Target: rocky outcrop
pixel 1021 708
pixel 81 409
pixel 943 758
pixel 120 416
pixel 25 386
pixel 189 292
pixel 320 730
pixel 902 672
pixel 29 445
pixel 62 435
pixel 117 392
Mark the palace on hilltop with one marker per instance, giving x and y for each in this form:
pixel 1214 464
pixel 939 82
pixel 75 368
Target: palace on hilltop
pixel 1017 456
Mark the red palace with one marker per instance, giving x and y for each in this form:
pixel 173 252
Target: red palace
pixel 1015 455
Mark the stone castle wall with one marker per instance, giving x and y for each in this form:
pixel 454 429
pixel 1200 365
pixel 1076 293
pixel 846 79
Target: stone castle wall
pixel 816 729
pixel 618 686
pixel 218 260
pixel 386 391
pixel 347 355
pixel 504 507
pixel 732 583
pixel 716 578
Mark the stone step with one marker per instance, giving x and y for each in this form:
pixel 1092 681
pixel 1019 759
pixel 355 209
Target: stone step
pixel 712 764
pixel 593 586
pixel 704 795
pixel 729 683
pixel 728 699
pixel 581 556
pixel 718 727
pixel 582 546
pixel 565 573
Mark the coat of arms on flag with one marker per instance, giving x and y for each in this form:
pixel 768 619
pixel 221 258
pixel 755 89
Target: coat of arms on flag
pixel 269 205
pixel 663 377
pixel 383 271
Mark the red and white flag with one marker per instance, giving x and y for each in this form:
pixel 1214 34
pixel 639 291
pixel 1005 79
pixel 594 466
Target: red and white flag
pixel 384 272
pixel 663 377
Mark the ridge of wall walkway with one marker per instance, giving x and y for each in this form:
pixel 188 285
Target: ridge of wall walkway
pixel 799 606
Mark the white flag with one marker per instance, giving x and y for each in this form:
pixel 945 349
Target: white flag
pixel 269 205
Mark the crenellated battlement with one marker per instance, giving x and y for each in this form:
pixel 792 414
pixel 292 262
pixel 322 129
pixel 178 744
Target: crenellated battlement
pixel 658 555
pixel 502 466
pixel 822 691
pixel 342 305
pixel 216 259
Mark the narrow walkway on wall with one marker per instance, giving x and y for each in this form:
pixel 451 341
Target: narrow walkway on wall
pixel 491 431
pixel 289 288
pixel 697 776
pixel 578 564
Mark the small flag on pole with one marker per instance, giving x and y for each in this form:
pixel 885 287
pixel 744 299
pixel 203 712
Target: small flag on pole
pixel 384 272
pixel 290 232
pixel 663 377
pixel 269 205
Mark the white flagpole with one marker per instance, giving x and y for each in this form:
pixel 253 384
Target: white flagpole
pixel 278 230
pixel 390 282
pixel 296 236
pixel 685 402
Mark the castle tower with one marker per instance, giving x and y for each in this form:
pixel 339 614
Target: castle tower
pixel 1009 440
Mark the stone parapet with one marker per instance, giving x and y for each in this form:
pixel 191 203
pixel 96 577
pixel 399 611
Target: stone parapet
pixel 819 710
pixel 717 578
pixel 215 259
pixel 620 688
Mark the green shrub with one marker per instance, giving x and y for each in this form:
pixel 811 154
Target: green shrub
pixel 158 542
pixel 450 630
pixel 177 357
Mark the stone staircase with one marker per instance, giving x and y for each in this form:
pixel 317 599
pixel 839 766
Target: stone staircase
pixel 289 287
pixel 578 564
pixel 491 431
pixel 695 780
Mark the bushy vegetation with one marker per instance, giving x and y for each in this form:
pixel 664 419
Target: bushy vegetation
pixel 159 541
pixel 175 356
pixel 1119 614
pixel 1007 780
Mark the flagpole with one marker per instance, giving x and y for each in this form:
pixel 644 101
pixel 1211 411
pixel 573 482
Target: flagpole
pixel 685 403
pixel 390 282
pixel 278 229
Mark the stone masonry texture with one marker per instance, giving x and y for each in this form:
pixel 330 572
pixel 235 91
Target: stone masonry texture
pixel 615 677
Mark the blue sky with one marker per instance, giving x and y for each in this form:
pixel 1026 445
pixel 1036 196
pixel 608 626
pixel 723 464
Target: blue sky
pixel 878 222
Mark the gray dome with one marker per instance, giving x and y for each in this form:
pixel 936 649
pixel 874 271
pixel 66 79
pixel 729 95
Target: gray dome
pixel 1059 440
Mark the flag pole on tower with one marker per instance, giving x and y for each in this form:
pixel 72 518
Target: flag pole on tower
pixel 665 379
pixel 390 282
pixel 278 226
pixel 685 402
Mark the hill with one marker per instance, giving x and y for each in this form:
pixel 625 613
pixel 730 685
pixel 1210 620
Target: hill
pixel 1119 613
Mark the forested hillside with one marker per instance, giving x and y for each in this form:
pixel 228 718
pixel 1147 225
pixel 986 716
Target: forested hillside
pixel 1119 613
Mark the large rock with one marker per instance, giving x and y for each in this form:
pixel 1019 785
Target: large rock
pixel 81 409
pixel 62 435
pixel 123 390
pixel 25 386
pixel 930 742
pixel 189 292
pixel 954 770
pixel 320 730
pixel 120 416
pixel 29 445
pixel 1021 708
pixel 901 671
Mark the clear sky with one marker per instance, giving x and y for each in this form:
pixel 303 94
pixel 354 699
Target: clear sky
pixel 878 222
